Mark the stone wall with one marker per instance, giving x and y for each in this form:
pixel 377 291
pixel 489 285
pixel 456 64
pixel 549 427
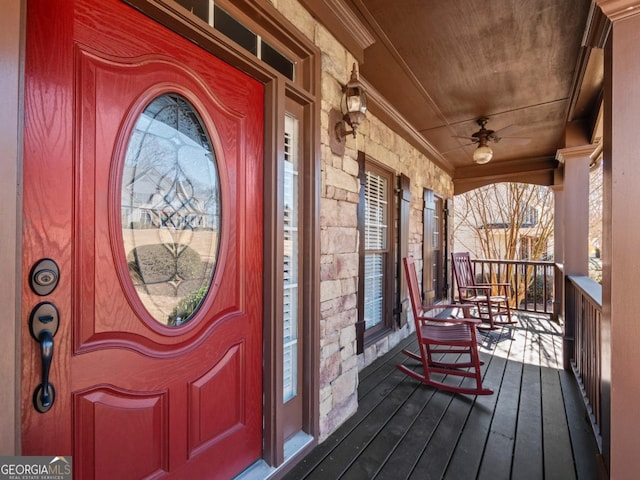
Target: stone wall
pixel 339 364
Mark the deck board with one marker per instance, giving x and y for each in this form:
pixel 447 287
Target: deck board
pixel 496 461
pixel 558 458
pixel 528 461
pixel 466 460
pixel 533 426
pixel 377 453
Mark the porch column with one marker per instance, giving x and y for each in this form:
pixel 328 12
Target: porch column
pixel 558 245
pixel 620 330
pixel 574 202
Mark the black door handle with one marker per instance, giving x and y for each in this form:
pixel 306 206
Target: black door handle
pixel 45 394
pixel 43 325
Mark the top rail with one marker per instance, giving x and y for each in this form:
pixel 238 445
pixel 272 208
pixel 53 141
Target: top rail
pixel 532 282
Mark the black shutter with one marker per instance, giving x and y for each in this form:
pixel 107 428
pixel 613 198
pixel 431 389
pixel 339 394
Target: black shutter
pixel 360 325
pixel 428 223
pixel 448 282
pixel 404 206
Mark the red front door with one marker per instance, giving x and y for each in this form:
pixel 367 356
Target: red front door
pixel 143 185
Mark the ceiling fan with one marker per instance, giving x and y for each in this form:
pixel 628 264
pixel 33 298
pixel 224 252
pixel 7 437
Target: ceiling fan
pixel 483 154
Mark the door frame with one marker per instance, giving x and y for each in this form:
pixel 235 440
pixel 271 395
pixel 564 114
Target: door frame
pixel 12 34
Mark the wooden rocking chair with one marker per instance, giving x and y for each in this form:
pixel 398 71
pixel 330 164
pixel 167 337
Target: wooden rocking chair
pixel 491 299
pixel 443 336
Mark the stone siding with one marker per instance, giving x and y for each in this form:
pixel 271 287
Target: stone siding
pixel 339 364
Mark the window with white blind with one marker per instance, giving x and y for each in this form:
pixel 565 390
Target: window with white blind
pixel 291 260
pixel 376 226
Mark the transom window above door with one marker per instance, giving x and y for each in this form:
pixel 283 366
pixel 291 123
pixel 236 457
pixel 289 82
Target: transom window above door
pixel 226 24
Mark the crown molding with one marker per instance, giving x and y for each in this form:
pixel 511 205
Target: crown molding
pixel 343 23
pixel 597 28
pixel 619 9
pixel 379 106
pixel 582 151
pixel 538 171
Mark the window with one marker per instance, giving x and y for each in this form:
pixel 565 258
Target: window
pixel 291 260
pixel 531 248
pixel 434 275
pixel 529 216
pixel 376 223
pixel 376 245
pixel 292 244
pixel 226 24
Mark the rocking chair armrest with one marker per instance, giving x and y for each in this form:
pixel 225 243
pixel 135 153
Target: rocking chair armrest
pixel 443 306
pixel 472 321
pixel 466 309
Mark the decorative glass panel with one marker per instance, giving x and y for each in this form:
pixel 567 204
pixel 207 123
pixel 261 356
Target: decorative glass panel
pixel 290 287
pixel 170 209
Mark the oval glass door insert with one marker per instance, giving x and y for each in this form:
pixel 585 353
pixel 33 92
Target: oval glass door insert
pixel 170 209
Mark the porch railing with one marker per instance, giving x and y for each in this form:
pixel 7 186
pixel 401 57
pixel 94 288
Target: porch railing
pixel 532 284
pixel 584 307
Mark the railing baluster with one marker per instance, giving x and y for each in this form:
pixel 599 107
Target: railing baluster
pixel 530 281
pixel 585 297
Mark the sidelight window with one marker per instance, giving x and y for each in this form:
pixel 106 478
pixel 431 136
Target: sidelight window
pixel 291 260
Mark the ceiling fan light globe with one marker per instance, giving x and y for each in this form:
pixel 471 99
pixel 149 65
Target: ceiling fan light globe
pixel 482 155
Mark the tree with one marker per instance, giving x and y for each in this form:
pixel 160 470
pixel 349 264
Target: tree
pixel 506 221
pixel 595 220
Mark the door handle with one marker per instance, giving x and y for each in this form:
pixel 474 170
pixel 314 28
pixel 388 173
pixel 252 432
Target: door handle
pixel 43 324
pixel 45 394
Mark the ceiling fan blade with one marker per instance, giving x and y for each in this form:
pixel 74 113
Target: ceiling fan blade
pixel 457 148
pixel 503 132
pixel 471 139
pixel 515 140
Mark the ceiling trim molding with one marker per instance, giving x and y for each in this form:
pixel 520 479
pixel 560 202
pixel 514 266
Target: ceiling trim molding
pixel 506 167
pixel 387 113
pixel 527 170
pixel 619 9
pixel 343 23
pixel 597 28
pixel 595 35
pixel 545 178
pixel 583 151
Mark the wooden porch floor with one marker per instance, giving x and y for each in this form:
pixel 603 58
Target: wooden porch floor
pixel 533 427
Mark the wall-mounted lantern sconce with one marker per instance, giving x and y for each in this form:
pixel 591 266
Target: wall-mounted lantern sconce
pixel 353 108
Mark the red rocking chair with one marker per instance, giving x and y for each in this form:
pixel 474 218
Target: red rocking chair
pixel 491 299
pixel 442 336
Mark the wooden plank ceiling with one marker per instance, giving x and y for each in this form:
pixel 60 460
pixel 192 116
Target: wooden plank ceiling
pixel 530 66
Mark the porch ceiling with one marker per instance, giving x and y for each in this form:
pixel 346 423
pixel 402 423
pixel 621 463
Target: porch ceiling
pixel 444 64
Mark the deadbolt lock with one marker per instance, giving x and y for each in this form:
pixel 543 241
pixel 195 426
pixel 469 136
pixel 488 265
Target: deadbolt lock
pixel 44 277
